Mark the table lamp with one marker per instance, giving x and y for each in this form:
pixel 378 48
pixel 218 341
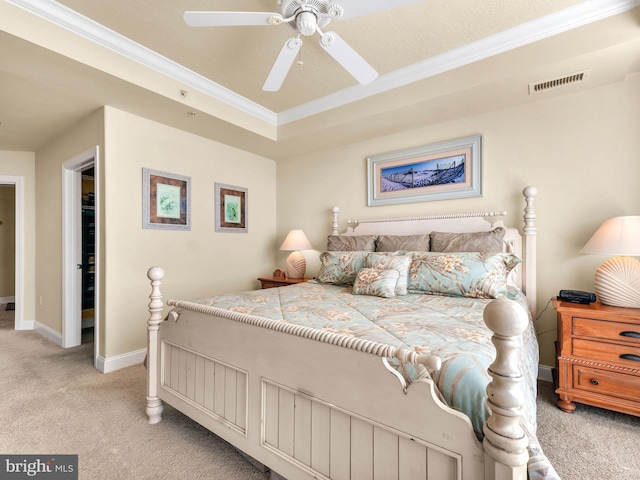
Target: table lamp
pixel 617 280
pixel 296 263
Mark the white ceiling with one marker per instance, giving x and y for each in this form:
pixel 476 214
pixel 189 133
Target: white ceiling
pixel 437 59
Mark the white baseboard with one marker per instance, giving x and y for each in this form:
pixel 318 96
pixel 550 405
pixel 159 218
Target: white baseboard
pixel 544 373
pixel 111 364
pixel 104 365
pixel 47 332
pixel 7 299
pixel 25 325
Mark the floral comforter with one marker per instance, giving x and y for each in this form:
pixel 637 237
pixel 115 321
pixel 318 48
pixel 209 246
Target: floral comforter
pixel 450 327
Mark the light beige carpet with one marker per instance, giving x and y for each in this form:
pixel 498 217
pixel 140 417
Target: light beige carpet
pixel 589 444
pixel 54 401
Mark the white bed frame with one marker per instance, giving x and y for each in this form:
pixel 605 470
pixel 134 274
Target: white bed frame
pixel 315 405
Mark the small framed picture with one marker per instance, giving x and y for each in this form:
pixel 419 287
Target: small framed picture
pixel 166 199
pixel 231 208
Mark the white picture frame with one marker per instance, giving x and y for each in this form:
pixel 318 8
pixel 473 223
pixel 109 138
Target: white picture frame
pixel 440 171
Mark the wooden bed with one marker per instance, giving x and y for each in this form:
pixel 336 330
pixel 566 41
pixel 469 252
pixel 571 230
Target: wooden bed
pixel 336 415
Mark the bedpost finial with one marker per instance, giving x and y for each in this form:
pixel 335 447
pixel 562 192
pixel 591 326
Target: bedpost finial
pixel 505 317
pixel 530 191
pixel 335 209
pixel 155 274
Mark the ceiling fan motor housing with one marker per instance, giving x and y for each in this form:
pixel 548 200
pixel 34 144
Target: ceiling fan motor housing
pixel 309 15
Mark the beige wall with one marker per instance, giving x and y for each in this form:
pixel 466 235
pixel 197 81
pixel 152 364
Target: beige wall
pixel 22 165
pixel 49 159
pixel 582 151
pixel 198 262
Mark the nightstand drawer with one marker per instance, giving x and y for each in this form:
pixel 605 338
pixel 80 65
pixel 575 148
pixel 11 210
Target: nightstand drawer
pixel 607 352
pixel 606 383
pixel 598 356
pixel 618 331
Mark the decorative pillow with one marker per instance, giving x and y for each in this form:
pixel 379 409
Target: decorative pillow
pixel 340 268
pixel 393 243
pixel 468 242
pixel 401 263
pixel 373 281
pixel 346 243
pixel 463 274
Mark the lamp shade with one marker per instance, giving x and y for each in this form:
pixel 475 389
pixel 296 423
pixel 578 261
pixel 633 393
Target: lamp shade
pixel 296 263
pixel 617 280
pixel 616 236
pixel 296 240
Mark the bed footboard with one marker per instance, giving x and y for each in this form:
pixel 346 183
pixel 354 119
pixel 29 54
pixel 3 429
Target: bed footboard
pixel 339 413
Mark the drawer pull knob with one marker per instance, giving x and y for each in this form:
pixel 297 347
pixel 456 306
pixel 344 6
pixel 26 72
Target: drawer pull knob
pixel 595 382
pixel 630 356
pixel 630 334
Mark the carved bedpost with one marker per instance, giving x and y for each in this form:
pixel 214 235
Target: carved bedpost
pixel 154 404
pixel 505 442
pixel 334 221
pixel 530 232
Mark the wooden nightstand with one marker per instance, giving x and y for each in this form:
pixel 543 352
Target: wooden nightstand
pixel 598 356
pixel 273 282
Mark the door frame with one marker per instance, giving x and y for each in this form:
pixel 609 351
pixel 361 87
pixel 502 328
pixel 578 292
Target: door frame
pixel 18 183
pixel 72 249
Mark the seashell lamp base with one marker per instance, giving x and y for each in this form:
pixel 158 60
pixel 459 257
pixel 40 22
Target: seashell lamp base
pixel 296 265
pixel 617 282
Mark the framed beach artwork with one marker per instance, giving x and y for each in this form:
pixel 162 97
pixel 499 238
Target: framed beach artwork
pixel 440 171
pixel 166 199
pixel 231 208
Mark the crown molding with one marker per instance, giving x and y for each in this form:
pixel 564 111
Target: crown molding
pixel 578 15
pixel 564 20
pixel 84 27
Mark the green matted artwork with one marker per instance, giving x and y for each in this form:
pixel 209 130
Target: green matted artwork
pixel 166 199
pixel 231 208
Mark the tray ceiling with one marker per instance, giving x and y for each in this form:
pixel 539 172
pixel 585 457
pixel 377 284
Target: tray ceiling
pixel 146 60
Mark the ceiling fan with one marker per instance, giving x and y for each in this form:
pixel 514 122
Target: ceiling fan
pixel 306 17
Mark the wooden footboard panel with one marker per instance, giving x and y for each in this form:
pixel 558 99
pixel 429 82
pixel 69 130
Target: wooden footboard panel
pixel 331 442
pixel 213 386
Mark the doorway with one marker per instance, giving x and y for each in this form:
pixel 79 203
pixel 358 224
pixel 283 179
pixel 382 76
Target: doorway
pixel 80 258
pixel 88 249
pixel 17 183
pixel 7 255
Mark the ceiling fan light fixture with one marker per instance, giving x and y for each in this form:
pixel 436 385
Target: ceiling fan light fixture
pixel 307 23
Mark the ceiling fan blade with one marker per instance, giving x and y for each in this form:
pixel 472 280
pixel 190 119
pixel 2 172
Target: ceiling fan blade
pixel 282 64
pixel 348 58
pixel 231 19
pixel 358 8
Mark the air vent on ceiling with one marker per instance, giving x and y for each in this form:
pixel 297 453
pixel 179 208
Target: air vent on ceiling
pixel 540 87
